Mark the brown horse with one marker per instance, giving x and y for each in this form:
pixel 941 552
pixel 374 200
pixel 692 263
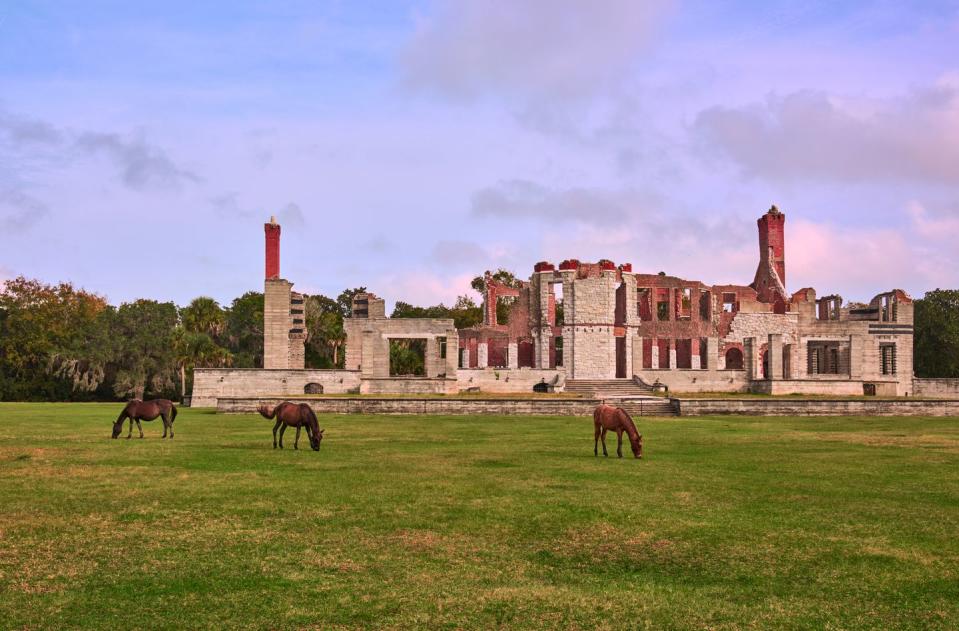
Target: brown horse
pixel 607 417
pixel 296 415
pixel 137 410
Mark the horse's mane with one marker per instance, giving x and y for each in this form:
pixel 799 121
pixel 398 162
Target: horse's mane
pixel 630 425
pixel 311 417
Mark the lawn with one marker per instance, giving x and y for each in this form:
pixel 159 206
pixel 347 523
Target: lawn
pixel 432 522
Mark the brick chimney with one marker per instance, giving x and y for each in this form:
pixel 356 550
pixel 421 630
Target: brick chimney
pixel 772 241
pixel 272 231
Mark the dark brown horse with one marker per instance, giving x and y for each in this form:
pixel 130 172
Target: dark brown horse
pixel 298 415
pixel 605 418
pixel 137 410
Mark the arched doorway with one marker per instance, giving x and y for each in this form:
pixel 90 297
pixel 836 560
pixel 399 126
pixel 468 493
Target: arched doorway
pixel 734 359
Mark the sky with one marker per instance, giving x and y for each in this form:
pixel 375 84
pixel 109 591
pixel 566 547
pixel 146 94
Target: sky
pixel 408 147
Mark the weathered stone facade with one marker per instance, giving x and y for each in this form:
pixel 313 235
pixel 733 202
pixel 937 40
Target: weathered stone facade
pixel 693 337
pixel 599 321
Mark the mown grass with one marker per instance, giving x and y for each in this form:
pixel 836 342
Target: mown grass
pixel 434 522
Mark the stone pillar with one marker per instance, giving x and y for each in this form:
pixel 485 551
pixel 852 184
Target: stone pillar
pixel 695 360
pixel 672 354
pixel 465 357
pixel 713 359
pixel 482 355
pixel 774 353
pixel 654 352
pixel 855 357
pixel 750 350
pixel 433 364
pixel 512 356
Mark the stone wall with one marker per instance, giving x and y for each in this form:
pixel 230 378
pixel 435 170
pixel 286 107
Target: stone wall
pixel 817 407
pixel 209 384
pixel 499 380
pixel 698 380
pixel 945 388
pixel 407 385
pixel 470 407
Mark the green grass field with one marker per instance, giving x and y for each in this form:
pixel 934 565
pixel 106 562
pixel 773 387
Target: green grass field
pixel 432 522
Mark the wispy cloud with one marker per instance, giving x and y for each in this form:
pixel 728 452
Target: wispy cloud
pixel 526 199
pixel 813 135
pixel 535 49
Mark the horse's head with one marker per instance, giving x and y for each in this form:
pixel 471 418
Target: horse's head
pixel 637 446
pixel 316 437
pixel 117 428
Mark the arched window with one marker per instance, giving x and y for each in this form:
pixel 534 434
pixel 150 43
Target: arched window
pixel 313 388
pixel 734 359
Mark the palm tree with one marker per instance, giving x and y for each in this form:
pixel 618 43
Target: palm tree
pixel 204 315
pixel 197 350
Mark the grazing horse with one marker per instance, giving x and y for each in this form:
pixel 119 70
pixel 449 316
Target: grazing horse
pixel 137 410
pixel 298 415
pixel 607 417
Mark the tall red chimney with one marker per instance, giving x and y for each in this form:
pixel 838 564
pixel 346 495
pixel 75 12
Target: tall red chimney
pixel 272 231
pixel 772 241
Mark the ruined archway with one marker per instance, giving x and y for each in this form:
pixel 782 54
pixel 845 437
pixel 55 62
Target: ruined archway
pixel 734 359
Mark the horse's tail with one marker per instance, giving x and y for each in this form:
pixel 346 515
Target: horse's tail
pixel 172 412
pixel 267 412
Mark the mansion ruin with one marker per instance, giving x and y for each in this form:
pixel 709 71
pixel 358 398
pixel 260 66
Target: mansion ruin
pixel 576 324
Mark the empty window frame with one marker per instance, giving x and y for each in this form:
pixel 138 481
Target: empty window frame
pixel 684 303
pixel 887 359
pixel 662 305
pixel 644 308
pixel 705 304
pixel 729 302
pixel 559 351
pixel 441 342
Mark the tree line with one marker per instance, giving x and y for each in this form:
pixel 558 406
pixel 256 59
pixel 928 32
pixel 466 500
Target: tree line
pixel 62 343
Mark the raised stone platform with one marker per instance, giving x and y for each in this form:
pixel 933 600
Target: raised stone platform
pixel 433 405
pixel 817 407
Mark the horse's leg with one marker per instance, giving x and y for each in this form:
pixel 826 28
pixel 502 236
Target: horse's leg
pixel 140 427
pixel 619 447
pixel 171 427
pixel 166 424
pixel 602 437
pixel 282 429
pixel 276 427
pixel 595 439
pixel 130 433
pixel 296 441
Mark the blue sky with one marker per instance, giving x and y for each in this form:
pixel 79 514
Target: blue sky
pixel 409 147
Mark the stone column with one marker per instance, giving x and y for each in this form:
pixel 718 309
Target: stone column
pixel 750 350
pixel 855 357
pixel 512 356
pixel 654 351
pixel 774 353
pixel 695 360
pixel 433 364
pixel 482 355
pixel 713 360
pixel 672 354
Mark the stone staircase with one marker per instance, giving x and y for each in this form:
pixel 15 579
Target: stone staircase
pixel 651 406
pixel 608 388
pixel 635 397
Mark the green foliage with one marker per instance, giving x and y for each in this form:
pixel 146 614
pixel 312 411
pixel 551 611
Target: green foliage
pixel 325 337
pixel 464 312
pixel 936 343
pixel 146 330
pixel 244 330
pixel 407 357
